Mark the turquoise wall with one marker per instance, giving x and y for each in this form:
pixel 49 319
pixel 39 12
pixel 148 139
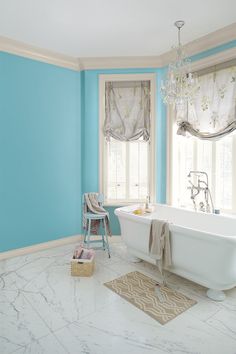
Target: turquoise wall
pixel 40 152
pixel 49 147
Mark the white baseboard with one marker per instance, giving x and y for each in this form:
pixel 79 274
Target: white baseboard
pixel 46 245
pixel 40 246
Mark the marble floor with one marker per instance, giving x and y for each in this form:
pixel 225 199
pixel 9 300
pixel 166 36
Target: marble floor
pixel 45 310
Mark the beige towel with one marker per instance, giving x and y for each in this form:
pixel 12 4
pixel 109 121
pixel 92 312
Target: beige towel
pixel 159 243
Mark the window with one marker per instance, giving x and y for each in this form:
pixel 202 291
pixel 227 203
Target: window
pixel 214 157
pixel 126 167
pixel 214 108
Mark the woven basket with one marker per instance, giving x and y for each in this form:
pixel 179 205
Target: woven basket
pixel 80 269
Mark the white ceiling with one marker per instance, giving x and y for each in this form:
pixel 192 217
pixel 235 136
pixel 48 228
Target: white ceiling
pixel 99 28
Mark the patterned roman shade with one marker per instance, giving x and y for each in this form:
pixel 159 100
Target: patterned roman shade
pixel 127 110
pixel 213 113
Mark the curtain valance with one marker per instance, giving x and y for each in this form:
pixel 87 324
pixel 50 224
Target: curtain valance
pixel 127 110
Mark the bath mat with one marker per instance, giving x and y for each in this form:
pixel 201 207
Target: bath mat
pixel 139 290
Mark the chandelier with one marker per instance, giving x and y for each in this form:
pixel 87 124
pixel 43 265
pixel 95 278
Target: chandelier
pixel 180 86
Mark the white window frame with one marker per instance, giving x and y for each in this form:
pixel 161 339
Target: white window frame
pixel 152 144
pixel 205 63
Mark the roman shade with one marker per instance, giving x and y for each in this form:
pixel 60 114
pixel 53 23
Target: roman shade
pixel 212 114
pixel 127 110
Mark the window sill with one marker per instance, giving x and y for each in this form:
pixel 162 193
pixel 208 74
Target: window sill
pixel 120 204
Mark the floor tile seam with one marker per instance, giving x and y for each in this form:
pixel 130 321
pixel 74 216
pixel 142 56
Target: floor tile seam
pixel 78 321
pixel 105 264
pixel 101 283
pixel 212 315
pixel 10 290
pixel 39 315
pixel 220 331
pixel 82 317
pixel 131 341
pixel 19 345
pixel 60 343
pixel 225 304
pixel 38 274
pixel 109 267
pixel 29 262
pixel 38 339
pixel 208 324
pixel 27 344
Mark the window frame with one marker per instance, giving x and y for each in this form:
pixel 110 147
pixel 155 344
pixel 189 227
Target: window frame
pixel 203 64
pixel 103 78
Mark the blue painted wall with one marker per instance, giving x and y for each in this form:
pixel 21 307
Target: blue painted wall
pixel 40 152
pixel 49 147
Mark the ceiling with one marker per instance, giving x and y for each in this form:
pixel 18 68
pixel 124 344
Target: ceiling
pixel 108 28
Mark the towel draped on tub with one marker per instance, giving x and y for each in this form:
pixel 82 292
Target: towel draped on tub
pixel 159 243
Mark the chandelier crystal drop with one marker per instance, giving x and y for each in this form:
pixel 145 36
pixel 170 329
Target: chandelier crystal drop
pixel 180 86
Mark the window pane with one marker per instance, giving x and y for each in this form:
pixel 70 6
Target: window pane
pixel 116 170
pixel 214 158
pixel 127 170
pixel 224 148
pixel 182 164
pixel 138 170
pixel 204 158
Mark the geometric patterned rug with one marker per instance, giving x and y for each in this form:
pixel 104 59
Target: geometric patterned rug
pixel 161 303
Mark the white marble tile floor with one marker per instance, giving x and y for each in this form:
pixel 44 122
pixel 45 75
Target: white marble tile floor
pixel 43 310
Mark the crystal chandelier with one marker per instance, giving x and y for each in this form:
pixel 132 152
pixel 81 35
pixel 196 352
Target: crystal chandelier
pixel 180 86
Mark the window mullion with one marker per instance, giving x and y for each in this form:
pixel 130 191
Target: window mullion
pixel 105 176
pixel 138 170
pixel 127 170
pixel 195 155
pixel 213 173
pixel 233 174
pixel 149 169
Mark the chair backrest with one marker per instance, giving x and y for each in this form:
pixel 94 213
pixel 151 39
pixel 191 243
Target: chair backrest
pixel 100 199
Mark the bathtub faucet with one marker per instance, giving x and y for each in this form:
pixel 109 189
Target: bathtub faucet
pixel 202 185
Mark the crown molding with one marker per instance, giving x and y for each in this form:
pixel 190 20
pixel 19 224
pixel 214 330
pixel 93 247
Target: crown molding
pixel 211 40
pixel 22 49
pixel 202 44
pixel 213 60
pixel 119 62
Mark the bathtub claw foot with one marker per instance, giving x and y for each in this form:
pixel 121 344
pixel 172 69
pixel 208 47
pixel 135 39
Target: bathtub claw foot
pixel 216 295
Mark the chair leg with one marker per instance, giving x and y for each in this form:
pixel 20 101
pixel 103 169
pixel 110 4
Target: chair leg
pixel 107 244
pixel 85 232
pixel 88 234
pixel 103 241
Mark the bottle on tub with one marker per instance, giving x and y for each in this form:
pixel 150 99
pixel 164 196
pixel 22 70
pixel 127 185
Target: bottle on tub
pixel 147 206
pixel 147 202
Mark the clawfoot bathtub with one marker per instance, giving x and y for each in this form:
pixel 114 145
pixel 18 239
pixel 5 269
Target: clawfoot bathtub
pixel 203 245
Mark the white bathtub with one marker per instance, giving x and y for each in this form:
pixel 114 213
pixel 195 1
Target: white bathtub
pixel 203 245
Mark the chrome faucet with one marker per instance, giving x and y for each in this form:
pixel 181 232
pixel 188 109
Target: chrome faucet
pixel 201 186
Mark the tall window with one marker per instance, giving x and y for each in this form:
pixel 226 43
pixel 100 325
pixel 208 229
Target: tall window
pixel 212 112
pixel 126 167
pixel 217 158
